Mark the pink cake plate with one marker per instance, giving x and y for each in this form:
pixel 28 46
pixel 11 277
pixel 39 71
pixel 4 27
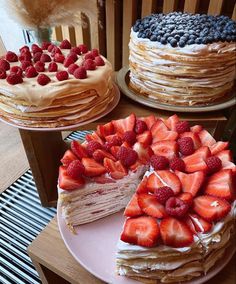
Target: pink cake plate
pixel 94 247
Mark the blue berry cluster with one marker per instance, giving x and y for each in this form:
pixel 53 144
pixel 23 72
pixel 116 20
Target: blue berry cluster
pixel 181 29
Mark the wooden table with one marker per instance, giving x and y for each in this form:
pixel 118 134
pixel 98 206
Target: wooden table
pixel 56 265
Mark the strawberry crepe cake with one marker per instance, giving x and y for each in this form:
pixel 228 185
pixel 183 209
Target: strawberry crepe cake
pixel 178 186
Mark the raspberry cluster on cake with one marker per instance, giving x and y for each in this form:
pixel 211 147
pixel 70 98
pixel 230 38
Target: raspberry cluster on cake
pixel 54 86
pixel 183 59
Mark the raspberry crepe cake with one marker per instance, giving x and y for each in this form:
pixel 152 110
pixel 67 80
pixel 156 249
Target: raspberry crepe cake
pixel 54 86
pixel 183 59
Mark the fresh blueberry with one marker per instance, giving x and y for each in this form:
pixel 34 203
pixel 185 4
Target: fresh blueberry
pixel 163 40
pixel 173 42
pixel 153 38
pixel 181 43
pixel 190 41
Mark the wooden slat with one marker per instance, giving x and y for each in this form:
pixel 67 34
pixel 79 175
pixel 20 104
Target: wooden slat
pixel 58 32
pixel 94 25
pixel 147 7
pixel 68 33
pixel 129 17
pixel 2 47
pixel 169 6
pixel 191 6
pixel 215 7
pixel 234 13
pixel 79 32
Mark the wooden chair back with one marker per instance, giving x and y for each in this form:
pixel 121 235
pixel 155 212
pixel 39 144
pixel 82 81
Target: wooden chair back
pixel 108 25
pixel 2 48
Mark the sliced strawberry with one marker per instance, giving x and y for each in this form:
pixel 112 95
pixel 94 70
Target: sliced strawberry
pixel 114 150
pixel 211 208
pixel 144 152
pixel 142 187
pixel 125 124
pixel 133 209
pixel 143 231
pixel 196 161
pixel 103 179
pixel 68 158
pixel 220 184
pixel 68 183
pixel 171 122
pixel 158 126
pixel 153 182
pixel 194 136
pixel 110 138
pixel 190 224
pixel 175 233
pixel 196 128
pixel 160 132
pixel 168 149
pixel 135 166
pixel 186 197
pixel 94 137
pixel 206 138
pixel 218 147
pixel 225 156
pixel 105 130
pixel 116 169
pixel 92 168
pixel 145 138
pixel 100 154
pixel 191 182
pixel 78 149
pixel 126 145
pixel 200 224
pixel 150 120
pixel 149 205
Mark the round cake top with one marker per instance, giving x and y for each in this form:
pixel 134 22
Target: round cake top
pixel 181 29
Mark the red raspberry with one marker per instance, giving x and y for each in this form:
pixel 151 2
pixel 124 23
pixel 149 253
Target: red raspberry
pixel 99 61
pixel 50 47
pixel 68 61
pixel 83 48
pixel 45 58
pixel 4 64
pixel 127 156
pixel 92 146
pixel 43 79
pixel 3 74
pixel 26 56
pixel 186 146
pixel 17 70
pixel 140 126
pixel 45 45
pixel 163 193
pixel 159 162
pixel 24 49
pixel 26 64
pixel 98 156
pixel 115 141
pixel 176 207
pixel 55 50
pixel 59 58
pixel 214 164
pixel 37 56
pixel 39 66
pixel 75 169
pixel 89 64
pixel 177 164
pixel 14 79
pixel 73 55
pixel 76 50
pixel 52 67
pixel 35 48
pixel 95 52
pixel 65 44
pixel 130 137
pixel 11 56
pixel 62 75
pixel 182 126
pixel 31 72
pixel 89 55
pixel 80 73
pixel 72 68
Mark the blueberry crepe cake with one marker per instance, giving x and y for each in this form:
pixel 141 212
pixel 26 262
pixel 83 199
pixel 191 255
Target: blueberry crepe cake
pixel 183 59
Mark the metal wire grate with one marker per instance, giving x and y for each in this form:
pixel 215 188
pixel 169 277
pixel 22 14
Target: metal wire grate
pixel 22 218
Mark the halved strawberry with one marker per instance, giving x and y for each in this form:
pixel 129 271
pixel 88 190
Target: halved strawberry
pixel 200 224
pixel 105 129
pixel 175 233
pixel 218 147
pixel 191 182
pixel 196 128
pixel 133 209
pixel 68 183
pixel 145 138
pixel 125 124
pixel 211 208
pixel 171 122
pixel 142 187
pixel 135 166
pixel 103 179
pixel 114 150
pixel 68 158
pixel 160 132
pixel 206 138
pixel 144 152
pixel 92 168
pixel 186 197
pixel 126 145
pixel 143 231
pixel 78 149
pixel 116 169
pixel 153 182
pixel 100 154
pixel 225 156
pixel 94 137
pixel 194 136
pixel 150 120
pixel 196 161
pixel 149 205
pixel 109 138
pixel 220 184
pixel 168 149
